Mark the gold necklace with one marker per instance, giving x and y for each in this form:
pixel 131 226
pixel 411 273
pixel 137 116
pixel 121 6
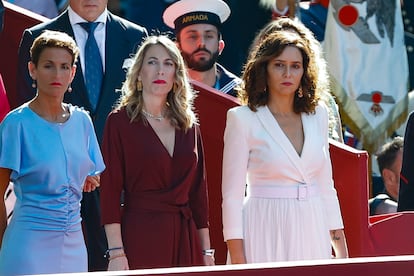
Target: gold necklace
pixel 149 115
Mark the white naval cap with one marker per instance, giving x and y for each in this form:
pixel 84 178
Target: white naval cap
pixel 187 12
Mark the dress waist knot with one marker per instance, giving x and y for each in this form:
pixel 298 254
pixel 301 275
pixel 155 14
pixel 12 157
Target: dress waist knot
pixel 139 204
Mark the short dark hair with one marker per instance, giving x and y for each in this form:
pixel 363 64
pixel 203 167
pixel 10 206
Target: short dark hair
pixel 53 39
pixel 388 153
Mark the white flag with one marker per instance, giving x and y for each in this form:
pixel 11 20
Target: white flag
pixel 367 60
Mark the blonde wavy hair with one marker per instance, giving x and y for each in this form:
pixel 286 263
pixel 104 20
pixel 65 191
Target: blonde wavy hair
pixel 179 100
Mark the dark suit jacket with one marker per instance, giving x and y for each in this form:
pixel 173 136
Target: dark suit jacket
pixel 1 15
pixel 406 194
pixel 122 40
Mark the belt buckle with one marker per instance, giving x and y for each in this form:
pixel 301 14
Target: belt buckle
pixel 302 192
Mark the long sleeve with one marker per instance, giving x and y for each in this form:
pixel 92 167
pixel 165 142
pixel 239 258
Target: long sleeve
pixel 325 179
pixel 112 178
pixel 198 197
pixel 235 160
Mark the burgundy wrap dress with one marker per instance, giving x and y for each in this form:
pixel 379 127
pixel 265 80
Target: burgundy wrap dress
pixel 165 197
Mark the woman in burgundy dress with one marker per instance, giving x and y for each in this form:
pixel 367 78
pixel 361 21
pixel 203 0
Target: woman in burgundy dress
pixel 153 151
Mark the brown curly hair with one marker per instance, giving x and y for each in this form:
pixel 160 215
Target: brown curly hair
pixel 254 89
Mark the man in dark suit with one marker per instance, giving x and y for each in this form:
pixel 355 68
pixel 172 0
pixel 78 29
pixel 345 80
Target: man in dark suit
pixel 406 194
pixel 117 40
pixel 1 15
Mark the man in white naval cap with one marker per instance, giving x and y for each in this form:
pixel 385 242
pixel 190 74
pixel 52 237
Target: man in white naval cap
pixel 197 28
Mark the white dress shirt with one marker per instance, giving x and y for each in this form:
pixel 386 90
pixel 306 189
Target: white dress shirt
pixel 81 35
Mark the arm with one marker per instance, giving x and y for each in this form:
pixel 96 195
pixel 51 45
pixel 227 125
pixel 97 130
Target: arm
pixel 117 257
pixel 204 235
pixel 236 249
pixel 93 180
pixel 338 242
pixel 4 182
pixel 91 183
pixel 110 191
pixel 329 195
pixel 198 199
pixel 235 160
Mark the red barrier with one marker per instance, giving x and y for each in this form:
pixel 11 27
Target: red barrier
pixel 378 266
pixel 350 173
pixel 16 20
pixel 211 107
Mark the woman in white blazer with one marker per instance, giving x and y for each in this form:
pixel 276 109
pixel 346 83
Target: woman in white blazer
pixel 277 144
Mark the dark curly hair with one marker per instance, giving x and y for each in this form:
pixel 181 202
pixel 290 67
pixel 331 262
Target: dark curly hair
pixel 388 153
pixel 254 89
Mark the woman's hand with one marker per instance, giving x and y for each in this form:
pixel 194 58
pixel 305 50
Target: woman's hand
pixel 209 260
pixel 118 263
pixel 91 183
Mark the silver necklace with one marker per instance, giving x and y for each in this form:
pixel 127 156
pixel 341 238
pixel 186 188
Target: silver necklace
pixel 149 115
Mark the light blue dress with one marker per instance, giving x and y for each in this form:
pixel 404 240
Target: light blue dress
pixel 49 163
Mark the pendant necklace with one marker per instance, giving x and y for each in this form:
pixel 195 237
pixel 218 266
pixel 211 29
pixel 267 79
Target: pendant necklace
pixel 149 115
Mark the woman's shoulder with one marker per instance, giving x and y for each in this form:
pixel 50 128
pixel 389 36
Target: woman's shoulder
pixel 240 111
pixel 321 108
pixel 77 109
pixel 18 114
pixel 79 113
pixel 118 114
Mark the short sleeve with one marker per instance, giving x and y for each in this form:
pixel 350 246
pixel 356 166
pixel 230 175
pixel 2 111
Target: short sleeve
pixel 94 149
pixel 10 145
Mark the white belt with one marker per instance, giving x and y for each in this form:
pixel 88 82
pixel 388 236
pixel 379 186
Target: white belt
pixel 301 191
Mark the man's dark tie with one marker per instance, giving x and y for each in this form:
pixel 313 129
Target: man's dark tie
pixel 93 64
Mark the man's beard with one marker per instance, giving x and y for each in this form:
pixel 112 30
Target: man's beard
pixel 201 65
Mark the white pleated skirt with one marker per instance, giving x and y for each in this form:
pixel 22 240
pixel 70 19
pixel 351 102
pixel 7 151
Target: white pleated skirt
pixel 278 229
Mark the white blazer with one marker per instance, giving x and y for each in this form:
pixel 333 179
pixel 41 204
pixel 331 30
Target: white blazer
pixel 257 152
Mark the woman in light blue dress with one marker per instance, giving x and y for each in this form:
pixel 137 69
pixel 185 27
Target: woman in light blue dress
pixel 49 150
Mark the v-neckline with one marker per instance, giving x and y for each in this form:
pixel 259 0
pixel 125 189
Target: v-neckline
pixel 162 144
pixel 278 136
pixel 286 138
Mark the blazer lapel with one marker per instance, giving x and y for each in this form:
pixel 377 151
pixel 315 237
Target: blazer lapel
pixel 271 125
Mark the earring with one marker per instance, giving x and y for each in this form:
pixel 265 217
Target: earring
pixel 34 83
pixel 300 92
pixel 265 90
pixel 139 85
pixel 70 89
